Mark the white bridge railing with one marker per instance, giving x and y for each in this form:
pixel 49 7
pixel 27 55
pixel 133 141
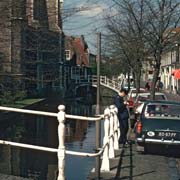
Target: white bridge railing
pixel 110 139
pixel 104 81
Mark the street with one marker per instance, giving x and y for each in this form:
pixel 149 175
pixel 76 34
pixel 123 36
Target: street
pixel 158 163
pixel 153 165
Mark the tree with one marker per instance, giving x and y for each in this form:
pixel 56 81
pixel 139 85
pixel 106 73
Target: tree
pixel 143 28
pixel 127 29
pixel 162 17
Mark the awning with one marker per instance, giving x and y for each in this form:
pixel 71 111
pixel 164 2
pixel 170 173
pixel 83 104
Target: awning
pixel 176 73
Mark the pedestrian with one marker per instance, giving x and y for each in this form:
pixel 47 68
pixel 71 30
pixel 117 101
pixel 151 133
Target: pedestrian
pixel 147 86
pixel 157 85
pixel 123 115
pixel 161 85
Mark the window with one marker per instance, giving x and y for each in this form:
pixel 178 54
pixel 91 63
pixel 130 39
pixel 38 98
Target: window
pixel 68 55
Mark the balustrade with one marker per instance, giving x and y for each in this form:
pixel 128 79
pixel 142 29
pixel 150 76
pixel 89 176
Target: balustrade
pixel 110 140
pixel 104 81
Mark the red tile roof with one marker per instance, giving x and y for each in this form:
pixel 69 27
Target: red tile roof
pixel 81 51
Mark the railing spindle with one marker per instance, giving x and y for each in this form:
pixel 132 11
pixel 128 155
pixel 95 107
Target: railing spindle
pixel 111 143
pixel 105 166
pixel 116 128
pixel 61 148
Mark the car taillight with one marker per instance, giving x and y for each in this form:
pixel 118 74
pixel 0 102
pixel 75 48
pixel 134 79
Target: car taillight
pixel 139 127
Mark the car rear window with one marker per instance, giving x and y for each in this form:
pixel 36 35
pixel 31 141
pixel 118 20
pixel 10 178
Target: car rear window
pixel 162 111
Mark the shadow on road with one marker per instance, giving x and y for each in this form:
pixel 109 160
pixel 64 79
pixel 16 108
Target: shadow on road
pixel 125 169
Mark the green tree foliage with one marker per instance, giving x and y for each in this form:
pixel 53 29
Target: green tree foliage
pixel 11 91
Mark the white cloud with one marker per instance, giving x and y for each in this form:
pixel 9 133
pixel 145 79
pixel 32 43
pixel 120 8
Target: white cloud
pixel 92 10
pixel 88 20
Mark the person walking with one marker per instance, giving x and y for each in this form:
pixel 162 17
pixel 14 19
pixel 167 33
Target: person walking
pixel 147 86
pixel 123 115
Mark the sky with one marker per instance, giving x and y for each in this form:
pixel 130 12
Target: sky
pixel 88 21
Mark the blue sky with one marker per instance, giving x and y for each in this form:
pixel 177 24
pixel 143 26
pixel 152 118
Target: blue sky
pixel 88 21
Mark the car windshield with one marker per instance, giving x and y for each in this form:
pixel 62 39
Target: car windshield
pixel 162 110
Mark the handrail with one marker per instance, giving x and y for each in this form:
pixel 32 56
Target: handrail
pixel 105 81
pixel 110 141
pixel 50 114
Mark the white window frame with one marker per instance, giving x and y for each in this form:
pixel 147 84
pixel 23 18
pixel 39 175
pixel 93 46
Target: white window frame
pixel 68 55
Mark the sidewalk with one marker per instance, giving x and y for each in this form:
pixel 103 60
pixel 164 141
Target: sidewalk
pixel 115 162
pixel 172 96
pixel 114 167
pixel 10 177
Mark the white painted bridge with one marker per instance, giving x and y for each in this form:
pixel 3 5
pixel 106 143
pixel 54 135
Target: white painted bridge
pixel 112 84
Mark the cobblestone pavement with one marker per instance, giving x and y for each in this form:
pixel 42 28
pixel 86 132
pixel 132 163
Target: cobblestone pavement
pixel 136 166
pixel 9 177
pixel 132 165
pixel 157 166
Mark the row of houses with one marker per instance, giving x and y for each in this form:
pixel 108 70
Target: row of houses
pixel 170 61
pixel 35 54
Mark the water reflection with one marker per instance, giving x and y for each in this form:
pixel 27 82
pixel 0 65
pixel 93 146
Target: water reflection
pixel 42 131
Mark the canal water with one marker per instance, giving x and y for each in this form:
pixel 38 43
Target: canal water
pixel 42 131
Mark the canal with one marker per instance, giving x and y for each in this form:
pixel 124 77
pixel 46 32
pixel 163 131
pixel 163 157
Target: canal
pixel 42 131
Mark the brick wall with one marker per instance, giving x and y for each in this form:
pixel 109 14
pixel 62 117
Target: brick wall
pixel 15 18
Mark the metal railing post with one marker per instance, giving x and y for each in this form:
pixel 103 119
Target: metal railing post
pixel 61 148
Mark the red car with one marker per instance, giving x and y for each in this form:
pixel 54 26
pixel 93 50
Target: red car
pixel 132 96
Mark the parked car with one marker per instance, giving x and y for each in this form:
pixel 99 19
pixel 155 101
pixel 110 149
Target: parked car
pixel 140 99
pixel 158 123
pixel 130 102
pixel 132 95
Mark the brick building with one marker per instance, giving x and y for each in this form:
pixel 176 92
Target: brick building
pixel 76 62
pixel 31 44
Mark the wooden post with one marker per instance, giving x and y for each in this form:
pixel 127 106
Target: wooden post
pixel 105 166
pixel 98 73
pixel 98 123
pixel 61 148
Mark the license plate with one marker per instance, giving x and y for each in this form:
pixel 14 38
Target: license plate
pixel 167 134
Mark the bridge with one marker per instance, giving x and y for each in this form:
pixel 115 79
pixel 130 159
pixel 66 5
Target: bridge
pixel 92 80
